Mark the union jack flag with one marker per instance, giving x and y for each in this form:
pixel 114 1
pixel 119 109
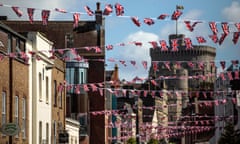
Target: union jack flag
pixel 188 43
pixel 89 11
pixel 148 21
pixel 174 44
pixel 189 26
pixel 237 26
pixel 30 12
pixel 76 17
pixel 213 27
pixel 225 28
pixel 108 9
pixel 136 21
pixel 176 14
pixel 163 45
pixel 162 16
pixel 17 11
pixel 119 9
pixel 60 10
pixel 200 39
pixel 235 37
pixel 45 16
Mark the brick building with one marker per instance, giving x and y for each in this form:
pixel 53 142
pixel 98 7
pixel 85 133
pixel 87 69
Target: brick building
pixel 13 85
pixel 59 96
pixel 87 34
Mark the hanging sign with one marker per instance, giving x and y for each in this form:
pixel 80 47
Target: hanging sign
pixel 10 129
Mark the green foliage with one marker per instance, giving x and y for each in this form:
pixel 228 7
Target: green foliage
pixel 131 141
pixel 152 141
pixel 230 136
pixel 162 141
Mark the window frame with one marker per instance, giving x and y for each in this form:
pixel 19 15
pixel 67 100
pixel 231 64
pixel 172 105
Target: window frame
pixel 40 132
pixel 4 109
pixel 47 133
pixel 47 89
pixel 16 111
pixel 55 93
pixel 54 132
pixel 40 85
pixel 24 118
pixel 60 97
pixel 9 44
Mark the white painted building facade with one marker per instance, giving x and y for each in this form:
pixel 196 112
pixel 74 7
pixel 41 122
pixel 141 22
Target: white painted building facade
pixel 40 89
pixel 72 127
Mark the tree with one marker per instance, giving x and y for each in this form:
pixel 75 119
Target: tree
pixel 131 141
pixel 230 136
pixel 152 141
pixel 162 141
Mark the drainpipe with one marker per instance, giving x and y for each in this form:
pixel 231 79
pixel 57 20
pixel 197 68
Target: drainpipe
pixel 10 94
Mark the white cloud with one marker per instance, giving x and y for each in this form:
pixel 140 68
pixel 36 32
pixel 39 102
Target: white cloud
pixel 135 53
pixel 227 51
pixel 142 53
pixel 232 12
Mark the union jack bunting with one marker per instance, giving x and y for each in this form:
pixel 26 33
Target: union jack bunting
pixel 45 16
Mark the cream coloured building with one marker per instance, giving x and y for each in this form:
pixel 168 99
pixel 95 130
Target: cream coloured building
pixel 72 127
pixel 40 90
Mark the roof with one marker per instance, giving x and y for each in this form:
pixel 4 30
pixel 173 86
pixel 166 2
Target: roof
pixel 6 28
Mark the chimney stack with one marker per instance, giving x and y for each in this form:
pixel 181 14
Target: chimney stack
pixel 98 14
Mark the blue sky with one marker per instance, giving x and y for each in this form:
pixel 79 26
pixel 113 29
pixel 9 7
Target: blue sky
pixel 121 29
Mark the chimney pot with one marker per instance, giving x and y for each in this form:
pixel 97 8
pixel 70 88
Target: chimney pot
pixel 98 6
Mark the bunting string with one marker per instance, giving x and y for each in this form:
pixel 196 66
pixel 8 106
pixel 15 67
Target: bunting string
pixel 160 44
pixel 175 131
pixel 77 88
pixel 119 12
pixel 202 103
pixel 119 9
pixel 187 125
pixel 191 64
pixel 172 124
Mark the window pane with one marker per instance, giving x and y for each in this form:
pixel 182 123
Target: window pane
pixel 24 118
pixel 60 96
pixel 54 132
pixel 82 75
pixel 40 132
pixel 9 43
pixel 47 91
pixel 55 92
pixel 47 133
pixel 4 102
pixel 3 107
pixel 16 111
pixel 16 106
pixel 40 85
pixel 23 108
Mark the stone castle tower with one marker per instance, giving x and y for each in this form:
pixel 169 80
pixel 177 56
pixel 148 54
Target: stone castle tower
pixel 198 53
pixel 181 76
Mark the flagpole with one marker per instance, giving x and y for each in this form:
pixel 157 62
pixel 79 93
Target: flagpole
pixel 176 27
pixel 176 22
pixel 178 7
